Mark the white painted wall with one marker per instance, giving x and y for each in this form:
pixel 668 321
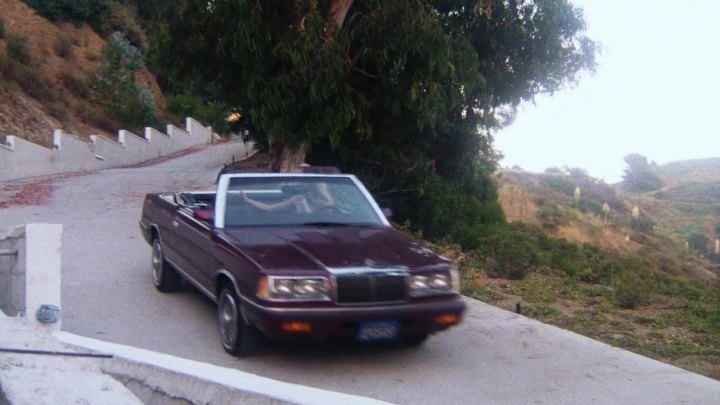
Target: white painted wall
pixel 20 158
pixel 30 277
pixel 12 271
pixel 42 270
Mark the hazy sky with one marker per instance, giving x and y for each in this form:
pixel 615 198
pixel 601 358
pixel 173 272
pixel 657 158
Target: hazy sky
pixel 656 92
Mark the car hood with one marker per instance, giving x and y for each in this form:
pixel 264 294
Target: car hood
pixel 319 248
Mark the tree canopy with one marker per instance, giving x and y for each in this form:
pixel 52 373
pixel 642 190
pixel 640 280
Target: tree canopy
pixel 405 93
pixel 639 175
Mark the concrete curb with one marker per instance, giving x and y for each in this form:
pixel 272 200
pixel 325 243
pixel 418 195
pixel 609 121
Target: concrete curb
pixel 201 383
pixel 37 367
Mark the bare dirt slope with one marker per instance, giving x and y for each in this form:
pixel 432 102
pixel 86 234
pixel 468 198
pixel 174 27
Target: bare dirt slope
pixel 53 88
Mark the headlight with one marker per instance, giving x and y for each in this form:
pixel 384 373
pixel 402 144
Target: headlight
pixel 293 288
pixel 423 285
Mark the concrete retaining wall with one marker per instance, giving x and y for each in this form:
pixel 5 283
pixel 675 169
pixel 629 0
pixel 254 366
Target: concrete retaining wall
pixel 20 158
pixel 30 271
pixel 12 271
pixel 155 376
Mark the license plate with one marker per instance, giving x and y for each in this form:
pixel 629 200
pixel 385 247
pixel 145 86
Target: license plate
pixel 378 331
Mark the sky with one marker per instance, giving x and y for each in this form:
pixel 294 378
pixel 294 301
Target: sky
pixel 656 92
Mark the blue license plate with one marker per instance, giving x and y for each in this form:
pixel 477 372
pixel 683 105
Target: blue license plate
pixel 378 331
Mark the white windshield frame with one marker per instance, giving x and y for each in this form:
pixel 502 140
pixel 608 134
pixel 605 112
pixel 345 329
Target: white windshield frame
pixel 224 184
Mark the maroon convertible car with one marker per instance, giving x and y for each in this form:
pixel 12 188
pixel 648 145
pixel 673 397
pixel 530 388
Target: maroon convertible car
pixel 299 256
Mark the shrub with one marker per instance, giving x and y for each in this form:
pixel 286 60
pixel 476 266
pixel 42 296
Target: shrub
pixel 698 243
pixel 510 251
pixel 76 83
pixel 63 46
pixel 122 18
pixel 462 216
pixel 2 28
pixel 549 214
pixel 634 285
pixel 209 112
pixel 642 224
pixel 681 287
pixel 17 50
pixel 560 183
pixel 115 88
pixel 76 11
pixel 29 79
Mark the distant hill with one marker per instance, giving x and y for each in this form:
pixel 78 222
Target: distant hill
pixel 689 171
pixel 692 181
pixel 667 223
pixel 656 246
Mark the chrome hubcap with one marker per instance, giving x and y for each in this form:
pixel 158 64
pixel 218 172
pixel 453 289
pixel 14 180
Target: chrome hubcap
pixel 228 319
pixel 157 263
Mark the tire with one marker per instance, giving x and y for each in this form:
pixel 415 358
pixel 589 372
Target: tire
pixel 237 336
pixel 165 278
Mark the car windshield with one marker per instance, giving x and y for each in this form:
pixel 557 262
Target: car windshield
pixel 298 200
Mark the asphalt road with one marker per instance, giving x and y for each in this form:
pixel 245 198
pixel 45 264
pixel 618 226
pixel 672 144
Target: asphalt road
pixel 494 356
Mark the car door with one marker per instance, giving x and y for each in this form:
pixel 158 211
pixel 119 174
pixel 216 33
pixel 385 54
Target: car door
pixel 194 248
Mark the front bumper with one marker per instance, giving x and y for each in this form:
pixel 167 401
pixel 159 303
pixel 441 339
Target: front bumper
pixel 343 322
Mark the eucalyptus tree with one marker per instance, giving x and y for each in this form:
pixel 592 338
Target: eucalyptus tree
pixel 405 92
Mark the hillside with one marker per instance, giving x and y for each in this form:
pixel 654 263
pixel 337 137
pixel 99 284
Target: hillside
pixel 640 270
pixel 687 205
pixel 47 72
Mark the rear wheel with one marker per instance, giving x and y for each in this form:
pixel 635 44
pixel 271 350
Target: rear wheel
pixel 165 278
pixel 237 336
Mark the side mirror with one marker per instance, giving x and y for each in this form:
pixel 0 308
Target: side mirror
pixel 387 212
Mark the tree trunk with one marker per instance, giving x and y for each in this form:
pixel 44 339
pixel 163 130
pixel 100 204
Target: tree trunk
pixel 283 159
pixel 338 11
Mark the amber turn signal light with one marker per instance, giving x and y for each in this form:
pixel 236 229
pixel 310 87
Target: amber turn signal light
pixel 447 319
pixel 297 327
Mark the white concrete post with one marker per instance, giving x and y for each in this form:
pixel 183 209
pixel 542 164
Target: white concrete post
pixel 42 270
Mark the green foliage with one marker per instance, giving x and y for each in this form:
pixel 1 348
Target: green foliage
pixel 153 11
pixel 514 250
pixel 76 11
pixel 2 28
pixel 681 287
pixel 559 182
pixel 16 49
pixel 208 112
pixel 509 251
pixel 698 243
pixel 642 224
pixel 704 192
pixel 550 215
pixel 78 83
pixel 122 18
pixel 16 66
pixel 635 285
pixel 441 211
pixel 115 88
pixel 403 91
pixel 63 46
pixel 638 175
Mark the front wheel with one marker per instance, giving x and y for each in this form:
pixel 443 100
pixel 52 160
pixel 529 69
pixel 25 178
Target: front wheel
pixel 165 278
pixel 238 338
